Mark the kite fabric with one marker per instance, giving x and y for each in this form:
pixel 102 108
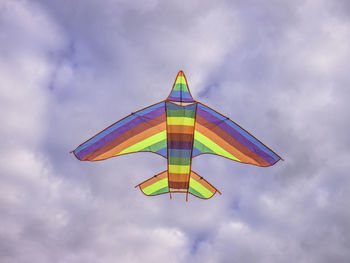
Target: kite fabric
pixel 179 129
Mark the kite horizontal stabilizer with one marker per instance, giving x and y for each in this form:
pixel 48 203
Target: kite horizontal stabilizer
pixel 200 187
pixel 197 186
pixel 156 185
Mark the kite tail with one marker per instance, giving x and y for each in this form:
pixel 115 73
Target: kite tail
pixel 159 184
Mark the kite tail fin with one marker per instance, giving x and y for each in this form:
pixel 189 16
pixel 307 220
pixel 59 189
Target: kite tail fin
pixel 201 188
pixel 155 185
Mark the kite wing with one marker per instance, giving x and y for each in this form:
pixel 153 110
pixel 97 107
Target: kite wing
pixel 141 131
pixel 217 134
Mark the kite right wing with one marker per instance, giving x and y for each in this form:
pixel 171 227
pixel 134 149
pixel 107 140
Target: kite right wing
pixel 141 131
pixel 217 134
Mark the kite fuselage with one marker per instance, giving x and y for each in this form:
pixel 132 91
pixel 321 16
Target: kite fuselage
pixel 180 122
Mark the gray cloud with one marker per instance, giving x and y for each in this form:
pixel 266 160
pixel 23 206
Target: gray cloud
pixel 69 69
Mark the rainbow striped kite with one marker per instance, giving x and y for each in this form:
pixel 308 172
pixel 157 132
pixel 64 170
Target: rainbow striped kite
pixel 179 129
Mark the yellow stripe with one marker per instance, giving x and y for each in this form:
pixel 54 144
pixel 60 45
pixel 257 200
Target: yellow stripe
pixel 200 188
pixel 180 121
pixel 155 186
pixel 178 169
pixel 213 146
pixel 145 143
pixel 180 79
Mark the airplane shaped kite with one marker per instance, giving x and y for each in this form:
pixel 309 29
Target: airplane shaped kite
pixel 179 129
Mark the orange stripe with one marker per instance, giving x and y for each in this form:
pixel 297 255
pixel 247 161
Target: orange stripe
pixel 180 129
pixel 203 182
pixel 223 144
pixel 154 179
pixel 135 139
pixel 178 177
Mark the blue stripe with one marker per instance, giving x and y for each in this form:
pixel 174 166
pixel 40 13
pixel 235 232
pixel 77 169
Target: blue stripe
pixel 163 152
pixel 119 124
pixel 241 131
pixel 180 93
pixel 180 153
pixel 196 152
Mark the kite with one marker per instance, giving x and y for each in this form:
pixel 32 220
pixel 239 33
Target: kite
pixel 178 128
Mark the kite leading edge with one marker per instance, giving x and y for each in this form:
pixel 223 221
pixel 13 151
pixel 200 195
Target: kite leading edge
pixel 179 129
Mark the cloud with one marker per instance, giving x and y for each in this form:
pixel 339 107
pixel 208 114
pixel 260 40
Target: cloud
pixel 69 69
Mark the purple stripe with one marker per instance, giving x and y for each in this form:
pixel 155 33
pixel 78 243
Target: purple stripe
pixel 236 135
pixel 123 129
pixel 179 99
pixel 179 145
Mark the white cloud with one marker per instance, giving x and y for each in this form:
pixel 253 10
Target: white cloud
pixel 69 69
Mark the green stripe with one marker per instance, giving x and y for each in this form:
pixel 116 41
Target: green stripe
pixel 155 187
pixel 200 188
pixel 161 191
pixel 179 160
pixel 181 113
pixel 201 147
pixel 180 86
pixel 156 147
pixel 145 143
pixel 194 192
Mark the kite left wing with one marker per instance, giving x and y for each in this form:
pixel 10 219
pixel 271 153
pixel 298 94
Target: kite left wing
pixel 217 134
pixel 141 131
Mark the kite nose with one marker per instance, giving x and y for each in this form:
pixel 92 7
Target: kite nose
pixel 180 91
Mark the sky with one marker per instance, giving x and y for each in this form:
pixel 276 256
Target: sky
pixel 280 69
